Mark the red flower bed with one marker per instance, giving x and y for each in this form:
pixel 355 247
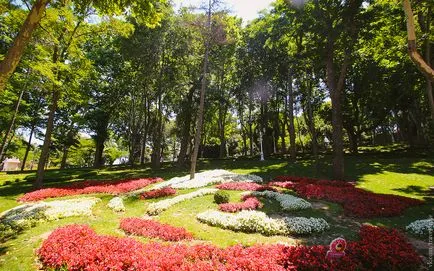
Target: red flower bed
pixel 80 248
pixel 158 193
pixel 154 229
pixel 89 187
pixel 244 186
pixel 356 202
pixel 250 203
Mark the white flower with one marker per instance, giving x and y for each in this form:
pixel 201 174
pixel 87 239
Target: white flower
pixel 287 202
pixel 116 204
pixel 421 227
pixel 51 210
pixel 159 206
pixel 255 221
pixel 206 178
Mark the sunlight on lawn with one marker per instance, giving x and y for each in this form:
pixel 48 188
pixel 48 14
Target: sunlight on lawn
pixel 404 184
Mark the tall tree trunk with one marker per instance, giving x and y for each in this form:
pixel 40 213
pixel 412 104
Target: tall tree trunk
pixel 429 83
pixel 335 89
pixel 222 127
pixel 5 139
pixel 47 140
pixel 29 145
pixel 250 131
pixel 186 127
pixel 13 56
pixel 64 157
pixel 158 134
pixel 291 127
pixel 99 150
pixel 202 97
pixel 423 66
pixel 312 123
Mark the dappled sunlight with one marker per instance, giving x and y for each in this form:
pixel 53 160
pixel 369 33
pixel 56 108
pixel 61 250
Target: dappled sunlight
pixel 404 184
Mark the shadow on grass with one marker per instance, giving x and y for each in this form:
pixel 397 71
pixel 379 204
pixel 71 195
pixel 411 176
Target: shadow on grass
pixel 415 190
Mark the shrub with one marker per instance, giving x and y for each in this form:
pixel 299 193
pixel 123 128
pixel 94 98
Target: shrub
pixel 221 197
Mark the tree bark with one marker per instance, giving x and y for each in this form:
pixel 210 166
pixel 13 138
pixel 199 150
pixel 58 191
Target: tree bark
pixel 64 157
pixel 202 98
pixel 47 140
pixel 421 64
pixel 14 54
pixel 5 139
pixel 99 150
pixel 335 89
pixel 291 127
pixel 29 144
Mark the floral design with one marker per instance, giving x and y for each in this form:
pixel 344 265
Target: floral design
pixel 154 229
pixel 356 202
pixel 254 221
pixel 421 227
pixel 78 247
pixel 158 193
pixel 89 187
pixel 207 178
pixel 249 203
pixel 116 204
pixel 28 215
pixel 287 202
pixel 244 186
pixel 162 205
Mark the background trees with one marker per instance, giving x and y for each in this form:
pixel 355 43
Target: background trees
pixel 95 90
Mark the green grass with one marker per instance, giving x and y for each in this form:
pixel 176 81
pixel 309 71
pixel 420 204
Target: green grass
pixel 405 174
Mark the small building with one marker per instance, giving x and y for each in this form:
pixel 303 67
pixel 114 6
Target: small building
pixel 11 164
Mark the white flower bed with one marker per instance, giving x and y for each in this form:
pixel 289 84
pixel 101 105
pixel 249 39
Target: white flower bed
pixel 421 227
pixel 206 178
pixel 255 221
pixel 162 205
pixel 51 210
pixel 287 202
pixel 116 204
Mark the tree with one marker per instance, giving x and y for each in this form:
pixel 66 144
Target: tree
pixel 207 41
pixel 148 11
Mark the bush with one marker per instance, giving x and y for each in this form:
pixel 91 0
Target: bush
pixel 221 197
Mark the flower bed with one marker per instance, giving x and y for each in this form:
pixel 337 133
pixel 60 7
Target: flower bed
pixel 356 202
pixel 207 178
pixel 78 247
pixel 244 186
pixel 286 201
pixel 28 215
pixel 259 222
pixel 421 227
pixel 116 204
pixel 158 193
pixel 162 205
pixel 89 187
pixel 154 229
pixel 249 203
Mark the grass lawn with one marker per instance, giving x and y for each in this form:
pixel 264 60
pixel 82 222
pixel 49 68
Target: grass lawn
pixel 405 175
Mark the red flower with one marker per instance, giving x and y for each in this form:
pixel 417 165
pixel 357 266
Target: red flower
pixel 89 187
pixel 80 248
pixel 244 186
pixel 154 229
pixel 356 202
pixel 250 203
pixel 158 193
